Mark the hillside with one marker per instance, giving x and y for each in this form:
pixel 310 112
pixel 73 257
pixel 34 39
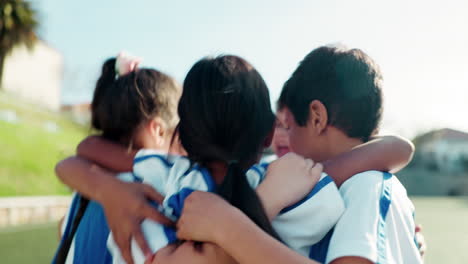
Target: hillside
pixel 32 140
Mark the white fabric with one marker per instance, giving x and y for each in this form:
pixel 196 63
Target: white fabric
pixel 302 226
pixel 357 232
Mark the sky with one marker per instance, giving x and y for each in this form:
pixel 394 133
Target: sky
pixel 421 46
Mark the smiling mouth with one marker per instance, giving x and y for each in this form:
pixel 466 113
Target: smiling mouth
pixel 282 151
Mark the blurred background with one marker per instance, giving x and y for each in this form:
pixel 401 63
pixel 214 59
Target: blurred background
pixel 51 52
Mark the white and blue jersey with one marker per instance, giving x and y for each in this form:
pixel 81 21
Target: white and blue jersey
pixel 300 226
pixel 378 223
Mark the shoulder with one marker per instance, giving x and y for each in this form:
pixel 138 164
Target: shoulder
pixel 365 182
pixel 144 155
pixel 366 178
pixel 256 174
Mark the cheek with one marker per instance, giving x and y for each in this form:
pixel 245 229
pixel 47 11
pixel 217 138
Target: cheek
pixel 294 141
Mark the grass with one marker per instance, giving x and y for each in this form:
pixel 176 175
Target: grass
pixel 445 228
pixel 32 244
pixel 29 151
pixel 443 219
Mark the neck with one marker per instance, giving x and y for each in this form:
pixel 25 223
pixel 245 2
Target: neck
pixel 218 170
pixel 339 143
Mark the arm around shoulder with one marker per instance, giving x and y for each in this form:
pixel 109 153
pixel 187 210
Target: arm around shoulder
pixel 106 153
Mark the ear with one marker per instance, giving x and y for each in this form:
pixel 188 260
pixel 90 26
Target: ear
pixel 318 117
pixel 158 131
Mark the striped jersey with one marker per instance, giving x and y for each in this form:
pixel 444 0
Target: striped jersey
pixel 300 225
pixel 378 223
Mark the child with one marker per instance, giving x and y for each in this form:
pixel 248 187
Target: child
pixel 217 94
pixel 135 108
pixel 333 103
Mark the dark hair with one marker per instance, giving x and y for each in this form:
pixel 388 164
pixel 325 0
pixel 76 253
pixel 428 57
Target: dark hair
pixel 346 81
pixel 225 115
pixel 121 103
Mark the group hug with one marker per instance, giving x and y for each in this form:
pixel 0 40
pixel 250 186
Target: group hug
pixel 179 173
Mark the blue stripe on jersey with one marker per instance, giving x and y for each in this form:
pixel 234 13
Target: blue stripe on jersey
pixel 385 201
pixel 319 186
pixel 176 201
pixel 75 204
pixel 257 170
pixel 170 234
pixel 161 158
pixel 136 178
pixel 265 165
pixel 318 251
pixel 209 181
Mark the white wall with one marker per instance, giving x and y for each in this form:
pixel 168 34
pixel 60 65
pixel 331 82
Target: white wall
pixel 35 74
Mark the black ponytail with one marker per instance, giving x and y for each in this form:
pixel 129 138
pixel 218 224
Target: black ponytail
pixel 225 115
pixel 103 85
pixel 236 189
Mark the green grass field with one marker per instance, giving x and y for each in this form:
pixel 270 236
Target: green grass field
pixel 30 244
pixel 445 228
pixel 29 151
pixel 443 219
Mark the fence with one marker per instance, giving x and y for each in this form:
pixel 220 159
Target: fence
pixel 32 210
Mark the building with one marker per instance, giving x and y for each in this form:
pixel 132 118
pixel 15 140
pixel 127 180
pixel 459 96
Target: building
pixel 80 113
pixel 35 75
pixel 447 149
pixel 440 164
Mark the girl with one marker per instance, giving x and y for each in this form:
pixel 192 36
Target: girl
pixel 217 94
pixel 135 109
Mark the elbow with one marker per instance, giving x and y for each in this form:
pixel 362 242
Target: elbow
pixel 84 145
pixel 61 168
pixel 408 148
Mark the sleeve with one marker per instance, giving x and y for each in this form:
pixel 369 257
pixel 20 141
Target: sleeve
pixel 177 186
pixel 152 167
pixel 356 232
pixel 305 223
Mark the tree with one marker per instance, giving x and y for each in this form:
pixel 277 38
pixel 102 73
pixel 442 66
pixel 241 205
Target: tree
pixel 18 23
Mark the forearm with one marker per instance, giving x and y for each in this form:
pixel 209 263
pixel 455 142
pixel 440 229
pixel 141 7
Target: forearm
pixel 388 153
pixel 88 179
pixel 248 244
pixel 106 153
pixel 268 200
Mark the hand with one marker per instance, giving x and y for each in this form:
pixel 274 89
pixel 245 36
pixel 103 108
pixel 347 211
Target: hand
pixel 126 206
pixel 288 180
pixel 204 216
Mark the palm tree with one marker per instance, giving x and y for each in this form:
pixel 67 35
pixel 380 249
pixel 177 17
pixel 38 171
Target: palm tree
pixel 17 25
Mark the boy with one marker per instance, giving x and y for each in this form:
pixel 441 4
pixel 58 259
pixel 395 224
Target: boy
pixel 333 103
